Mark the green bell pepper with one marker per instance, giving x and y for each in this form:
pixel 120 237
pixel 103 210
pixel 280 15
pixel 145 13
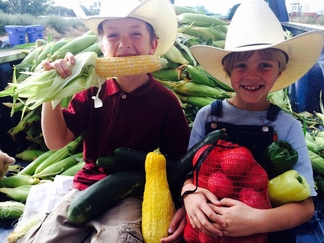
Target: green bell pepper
pixel 287 187
pixel 280 157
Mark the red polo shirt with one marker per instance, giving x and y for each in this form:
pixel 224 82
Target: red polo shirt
pixel 145 119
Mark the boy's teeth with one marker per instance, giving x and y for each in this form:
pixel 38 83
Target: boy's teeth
pixel 252 88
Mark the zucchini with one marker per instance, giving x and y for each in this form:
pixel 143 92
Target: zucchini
pixel 100 196
pixel 134 159
pixel 178 171
pixel 123 159
pixel 111 164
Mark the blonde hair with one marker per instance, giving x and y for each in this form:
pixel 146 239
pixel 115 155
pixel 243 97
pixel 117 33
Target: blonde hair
pixel 230 60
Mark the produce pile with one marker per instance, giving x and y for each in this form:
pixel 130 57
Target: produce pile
pixel 182 75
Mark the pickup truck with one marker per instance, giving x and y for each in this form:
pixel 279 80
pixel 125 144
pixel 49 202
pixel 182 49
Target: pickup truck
pixel 304 95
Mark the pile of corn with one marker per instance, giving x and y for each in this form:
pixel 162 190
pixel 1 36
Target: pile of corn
pixel 43 166
pixel 182 75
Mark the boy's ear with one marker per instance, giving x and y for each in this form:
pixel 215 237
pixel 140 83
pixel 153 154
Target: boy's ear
pixel 154 45
pixel 278 76
pixel 102 47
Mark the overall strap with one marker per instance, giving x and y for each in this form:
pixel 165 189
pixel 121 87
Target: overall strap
pixel 273 111
pixel 216 110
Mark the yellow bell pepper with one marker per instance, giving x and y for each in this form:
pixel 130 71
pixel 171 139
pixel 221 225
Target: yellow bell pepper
pixel 287 187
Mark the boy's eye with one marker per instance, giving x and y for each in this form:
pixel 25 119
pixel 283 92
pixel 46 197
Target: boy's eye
pixel 136 34
pixel 240 65
pixel 109 36
pixel 265 65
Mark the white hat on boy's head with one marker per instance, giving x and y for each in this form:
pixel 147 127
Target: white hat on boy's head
pixel 254 26
pixel 159 13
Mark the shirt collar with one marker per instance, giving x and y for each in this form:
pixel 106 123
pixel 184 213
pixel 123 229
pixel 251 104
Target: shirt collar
pixel 114 88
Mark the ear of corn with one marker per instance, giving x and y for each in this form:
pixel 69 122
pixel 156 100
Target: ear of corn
pixel 31 167
pixel 168 75
pixel 18 193
pixel 49 49
pixel 18 180
pixel 199 77
pixel 75 46
pixel 209 33
pixel 60 154
pixel 11 209
pixel 200 19
pixel 195 89
pixel 73 169
pixel 59 166
pixel 317 162
pixel 29 154
pixel 127 66
pixel 182 9
pixel 95 47
pixel 158 208
pixel 175 55
pixel 196 100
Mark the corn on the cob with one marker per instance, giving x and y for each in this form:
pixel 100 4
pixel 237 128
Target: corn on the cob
pixel 182 9
pixel 75 45
pixel 11 209
pixel 168 75
pixel 31 167
pixel 194 89
pixel 18 193
pixel 95 47
pixel 60 154
pixel 196 100
pixel 73 169
pixel 175 55
pixel 199 77
pixel 49 49
pixel 209 33
pixel 22 227
pixel 59 166
pixel 126 66
pixel 29 154
pixel 18 180
pixel 317 162
pixel 217 83
pixel 31 116
pixel 201 20
pixel 28 61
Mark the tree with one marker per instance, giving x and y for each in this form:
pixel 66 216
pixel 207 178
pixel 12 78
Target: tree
pixel 32 7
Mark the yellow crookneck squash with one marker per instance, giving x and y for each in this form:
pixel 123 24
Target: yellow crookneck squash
pixel 158 207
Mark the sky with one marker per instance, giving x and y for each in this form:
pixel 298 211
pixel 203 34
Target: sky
pixel 217 6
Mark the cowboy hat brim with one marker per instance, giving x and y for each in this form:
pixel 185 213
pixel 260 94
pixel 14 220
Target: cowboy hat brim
pixel 303 51
pixel 158 13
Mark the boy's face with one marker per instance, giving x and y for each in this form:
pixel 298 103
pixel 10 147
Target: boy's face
pixel 126 37
pixel 253 78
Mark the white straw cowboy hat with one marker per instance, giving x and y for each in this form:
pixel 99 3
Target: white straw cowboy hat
pixel 159 13
pixel 253 27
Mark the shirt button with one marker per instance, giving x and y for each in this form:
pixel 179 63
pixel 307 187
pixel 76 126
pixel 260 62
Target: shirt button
pixel 123 96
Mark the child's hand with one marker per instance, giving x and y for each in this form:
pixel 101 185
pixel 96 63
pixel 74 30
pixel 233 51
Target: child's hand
pixel 176 227
pixel 200 213
pixel 238 216
pixel 61 65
